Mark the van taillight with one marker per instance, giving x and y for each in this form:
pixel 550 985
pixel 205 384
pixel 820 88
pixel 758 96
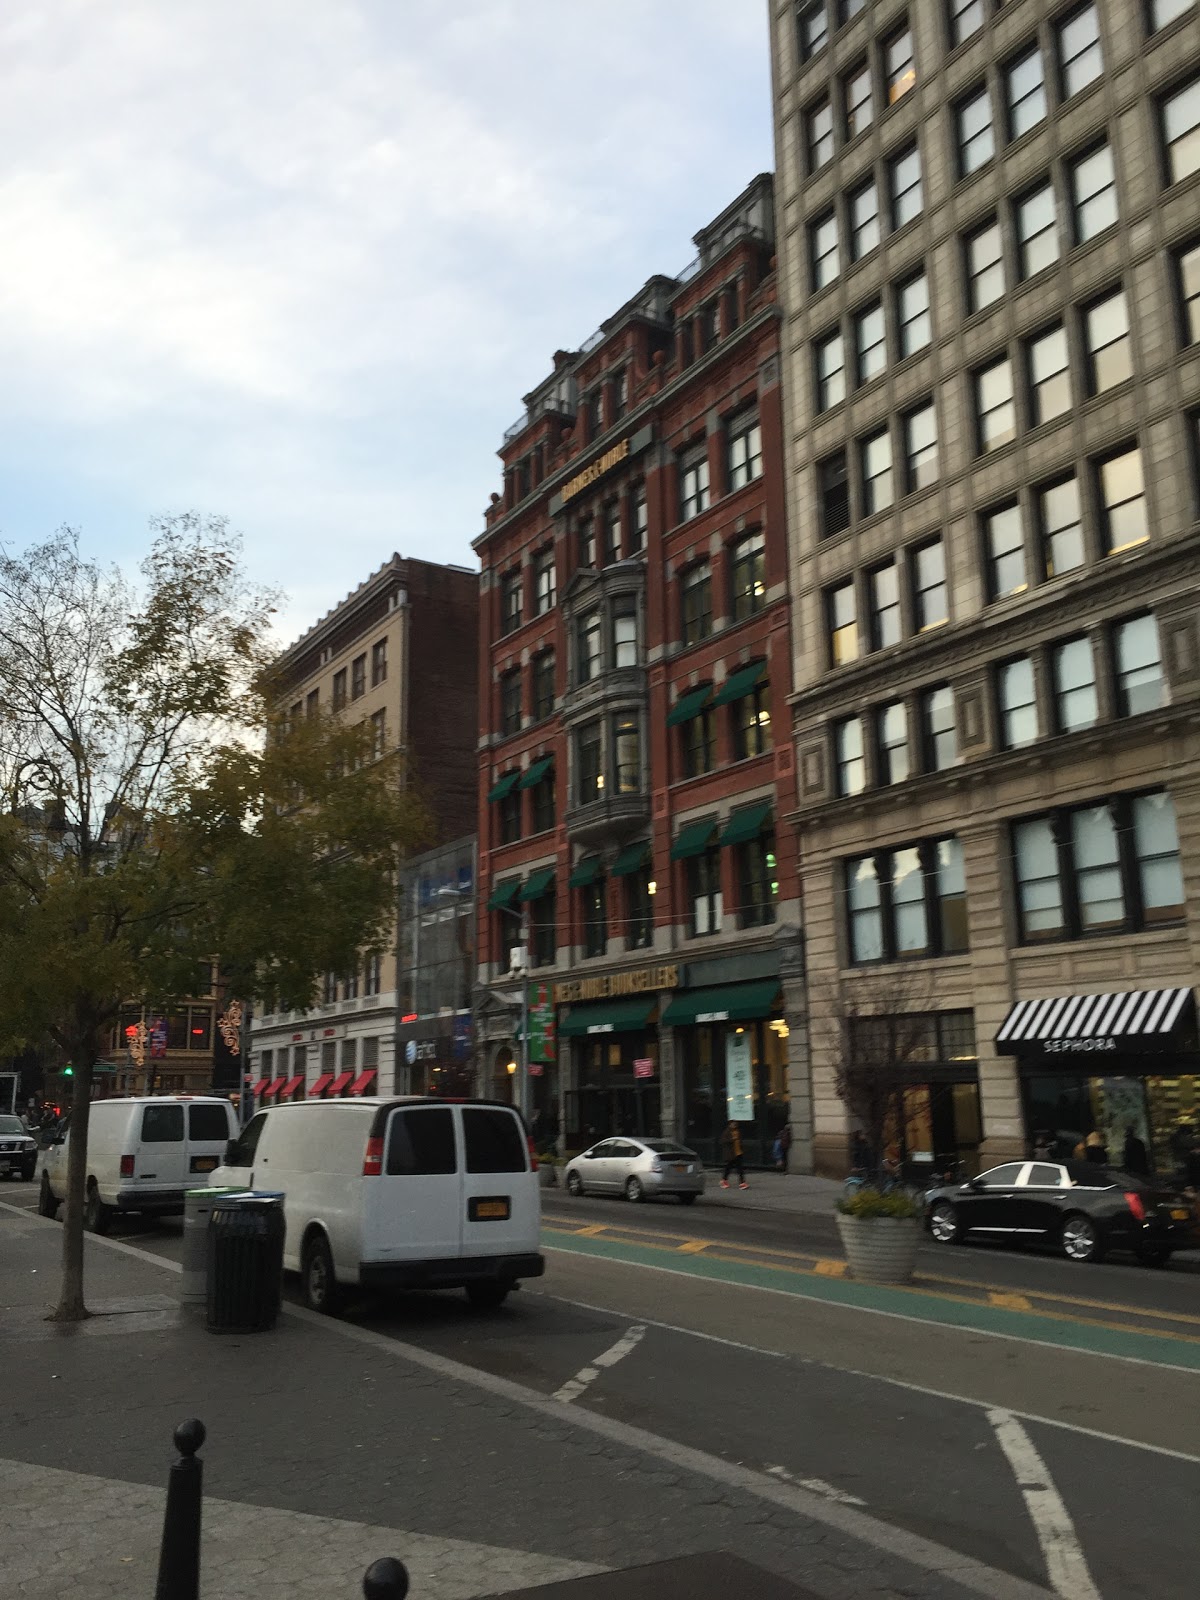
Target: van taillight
pixel 373 1160
pixel 127 1166
pixel 532 1153
pixel 1134 1202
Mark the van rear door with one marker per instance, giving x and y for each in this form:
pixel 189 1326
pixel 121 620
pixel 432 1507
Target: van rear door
pixel 161 1161
pixel 209 1129
pixel 413 1208
pixel 502 1210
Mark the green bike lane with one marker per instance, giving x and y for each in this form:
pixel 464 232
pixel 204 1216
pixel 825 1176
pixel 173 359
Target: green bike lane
pixel 1077 1323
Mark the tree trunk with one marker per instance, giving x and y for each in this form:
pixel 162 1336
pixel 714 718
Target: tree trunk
pixel 71 1307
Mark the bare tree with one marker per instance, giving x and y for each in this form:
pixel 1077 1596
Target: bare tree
pixel 877 1027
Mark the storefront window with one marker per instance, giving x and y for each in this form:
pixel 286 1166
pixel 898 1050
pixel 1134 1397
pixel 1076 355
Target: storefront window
pixel 703 1050
pixel 611 1098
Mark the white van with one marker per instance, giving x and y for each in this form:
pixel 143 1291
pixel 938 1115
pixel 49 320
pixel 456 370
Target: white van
pixel 143 1153
pixel 406 1193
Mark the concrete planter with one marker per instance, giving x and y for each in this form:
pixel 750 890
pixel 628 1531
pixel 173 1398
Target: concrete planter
pixel 547 1175
pixel 880 1249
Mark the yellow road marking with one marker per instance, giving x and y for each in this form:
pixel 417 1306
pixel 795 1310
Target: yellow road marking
pixel 592 1231
pixel 692 1247
pixel 1010 1302
pixel 937 1294
pixel 804 1262
pixel 827 1267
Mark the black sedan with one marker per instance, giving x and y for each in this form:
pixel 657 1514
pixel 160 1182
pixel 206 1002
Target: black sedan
pixel 1085 1209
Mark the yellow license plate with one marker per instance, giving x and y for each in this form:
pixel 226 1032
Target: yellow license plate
pixel 204 1163
pixel 491 1210
pixel 679 1168
pixel 1181 1215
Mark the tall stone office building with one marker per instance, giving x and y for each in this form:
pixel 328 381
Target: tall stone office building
pixel 989 275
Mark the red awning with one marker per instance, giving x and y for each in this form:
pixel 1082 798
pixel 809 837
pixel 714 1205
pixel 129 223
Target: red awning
pixel 322 1083
pixel 263 1083
pixel 292 1085
pixel 274 1088
pixel 338 1086
pixel 364 1081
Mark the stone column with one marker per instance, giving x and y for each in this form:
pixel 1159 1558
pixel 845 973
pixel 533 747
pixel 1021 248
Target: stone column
pixel 800 1098
pixel 670 1089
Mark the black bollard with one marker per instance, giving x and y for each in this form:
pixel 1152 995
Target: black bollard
pixel 179 1557
pixel 385 1580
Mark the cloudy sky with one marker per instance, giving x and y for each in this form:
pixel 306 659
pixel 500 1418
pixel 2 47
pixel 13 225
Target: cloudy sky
pixel 296 261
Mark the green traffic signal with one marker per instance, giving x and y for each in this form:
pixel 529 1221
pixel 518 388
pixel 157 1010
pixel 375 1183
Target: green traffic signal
pixel 68 1072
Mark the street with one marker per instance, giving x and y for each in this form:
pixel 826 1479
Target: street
pixel 1033 1415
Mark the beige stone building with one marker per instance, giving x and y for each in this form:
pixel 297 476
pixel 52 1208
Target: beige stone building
pixel 399 653
pixel 989 260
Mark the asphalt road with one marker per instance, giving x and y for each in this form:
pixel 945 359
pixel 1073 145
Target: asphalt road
pixel 1072 1469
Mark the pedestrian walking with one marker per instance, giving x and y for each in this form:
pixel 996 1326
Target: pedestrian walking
pixel 731 1149
pixel 1134 1157
pixel 783 1143
pixel 1094 1148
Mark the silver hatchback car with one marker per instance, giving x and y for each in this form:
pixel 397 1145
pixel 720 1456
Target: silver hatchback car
pixel 640 1169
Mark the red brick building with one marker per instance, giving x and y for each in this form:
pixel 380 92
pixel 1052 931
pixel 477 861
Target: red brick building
pixel 634 759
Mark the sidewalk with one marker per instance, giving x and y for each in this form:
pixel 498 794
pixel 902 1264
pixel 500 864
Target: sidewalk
pixel 330 1445
pixel 797 1192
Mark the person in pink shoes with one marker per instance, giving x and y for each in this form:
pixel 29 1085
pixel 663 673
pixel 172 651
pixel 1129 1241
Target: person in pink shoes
pixel 731 1149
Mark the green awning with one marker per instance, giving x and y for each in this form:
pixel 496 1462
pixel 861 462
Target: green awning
pixel 536 885
pixel 505 786
pixel 731 1002
pixel 693 840
pixel 536 773
pixel 586 872
pixel 689 705
pixel 616 1016
pixel 746 824
pixel 503 894
pixel 739 683
pixel 632 859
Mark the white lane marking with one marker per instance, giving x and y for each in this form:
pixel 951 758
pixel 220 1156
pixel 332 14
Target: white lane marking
pixel 818 1486
pixel 672 1327
pixel 987 1582
pixel 574 1387
pixel 894 1316
pixel 1066 1565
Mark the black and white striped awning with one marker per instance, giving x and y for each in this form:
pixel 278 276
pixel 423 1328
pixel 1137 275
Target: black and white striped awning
pixel 1130 1019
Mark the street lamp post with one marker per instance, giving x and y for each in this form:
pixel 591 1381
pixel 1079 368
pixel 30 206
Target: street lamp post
pixel 523 1087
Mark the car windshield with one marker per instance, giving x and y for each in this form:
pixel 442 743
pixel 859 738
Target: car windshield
pixel 664 1147
pixel 11 1125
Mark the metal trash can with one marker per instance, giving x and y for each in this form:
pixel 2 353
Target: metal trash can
pixel 197 1208
pixel 245 1262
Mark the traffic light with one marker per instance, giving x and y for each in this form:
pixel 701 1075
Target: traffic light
pixel 68 1072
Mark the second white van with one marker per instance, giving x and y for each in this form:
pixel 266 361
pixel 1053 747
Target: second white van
pixel 144 1151
pixel 406 1193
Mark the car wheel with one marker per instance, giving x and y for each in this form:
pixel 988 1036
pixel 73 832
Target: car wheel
pixel 633 1190
pixel 317 1277
pixel 574 1185
pixel 943 1223
pixel 687 1199
pixel 47 1204
pixel 1154 1255
pixel 28 1171
pixel 96 1215
pixel 1081 1239
pixel 487 1296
